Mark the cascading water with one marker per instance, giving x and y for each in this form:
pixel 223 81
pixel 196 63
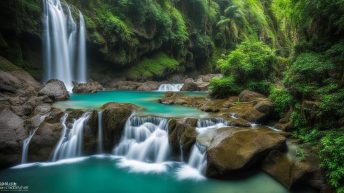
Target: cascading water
pixel 59 40
pixel 26 142
pixel 170 87
pixel 145 139
pixel 100 132
pixel 70 144
pixel 205 129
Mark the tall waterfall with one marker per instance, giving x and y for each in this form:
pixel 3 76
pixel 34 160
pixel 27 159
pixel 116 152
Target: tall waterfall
pixel 59 42
pixel 170 87
pixel 145 139
pixel 70 144
pixel 205 129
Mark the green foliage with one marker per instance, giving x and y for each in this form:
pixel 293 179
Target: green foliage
pixel 153 67
pixel 6 65
pixel 223 87
pixel 281 98
pixel 331 155
pixel 249 66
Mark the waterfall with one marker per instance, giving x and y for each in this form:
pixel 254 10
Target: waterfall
pixel 59 40
pixel 100 132
pixel 170 87
pixel 206 128
pixel 26 142
pixel 70 144
pixel 144 139
pixel 81 75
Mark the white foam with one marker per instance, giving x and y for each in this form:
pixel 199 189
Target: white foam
pixel 188 172
pixel 142 167
pixel 46 164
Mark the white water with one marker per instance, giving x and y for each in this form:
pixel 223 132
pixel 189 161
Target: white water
pixel 206 129
pixel 100 132
pixel 170 87
pixel 26 142
pixel 81 73
pixel 59 40
pixel 70 144
pixel 145 139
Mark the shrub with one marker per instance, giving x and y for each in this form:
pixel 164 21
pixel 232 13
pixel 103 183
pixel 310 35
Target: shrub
pixel 331 156
pixel 281 98
pixel 222 87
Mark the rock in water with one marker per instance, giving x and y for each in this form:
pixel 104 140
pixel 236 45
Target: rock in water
pixel 89 87
pixel 236 149
pixel 55 89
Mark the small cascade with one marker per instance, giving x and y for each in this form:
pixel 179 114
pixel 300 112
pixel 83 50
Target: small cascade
pixel 205 129
pixel 100 132
pixel 59 44
pixel 170 87
pixel 145 139
pixel 70 144
pixel 26 142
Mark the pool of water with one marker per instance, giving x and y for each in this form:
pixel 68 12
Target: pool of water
pixel 117 175
pixel 147 100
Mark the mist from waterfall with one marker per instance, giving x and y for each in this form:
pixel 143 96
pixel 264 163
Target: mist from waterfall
pixel 59 42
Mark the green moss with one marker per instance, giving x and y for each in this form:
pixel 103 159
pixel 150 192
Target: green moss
pixel 6 65
pixel 153 67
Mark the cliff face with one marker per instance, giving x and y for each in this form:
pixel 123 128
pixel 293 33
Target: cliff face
pixel 124 36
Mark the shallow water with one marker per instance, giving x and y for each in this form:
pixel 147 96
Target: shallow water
pixel 109 174
pixel 147 100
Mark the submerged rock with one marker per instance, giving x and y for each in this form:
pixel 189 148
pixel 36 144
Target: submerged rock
pixel 88 87
pixel 12 133
pixel 55 89
pixel 237 149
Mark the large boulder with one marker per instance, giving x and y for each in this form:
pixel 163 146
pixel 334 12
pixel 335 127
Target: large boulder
pixel 148 86
pixel 44 141
pixel 88 87
pixel 55 89
pixel 181 136
pixel 113 119
pixel 248 96
pixel 12 134
pixel 237 149
pixel 296 167
pixel 171 98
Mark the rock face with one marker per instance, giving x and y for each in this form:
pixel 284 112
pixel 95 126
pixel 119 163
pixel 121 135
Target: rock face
pixel 149 86
pixel 182 135
pixel 55 89
pixel 114 118
pixel 89 87
pixel 12 133
pixel 190 86
pixel 18 83
pixel 237 149
pixel 248 96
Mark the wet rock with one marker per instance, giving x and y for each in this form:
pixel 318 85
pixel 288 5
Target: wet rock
pixel 114 119
pixel 55 89
pixel 42 109
pixel 43 143
pixel 264 106
pixel 54 116
pixel 237 149
pixel 182 136
pixel 73 115
pixel 12 133
pixel 129 106
pixel 297 167
pixel 247 111
pixel 91 134
pixel 248 96
pixel 124 85
pixel 181 99
pixel 214 105
pixel 148 86
pixel 190 86
pixel 88 87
